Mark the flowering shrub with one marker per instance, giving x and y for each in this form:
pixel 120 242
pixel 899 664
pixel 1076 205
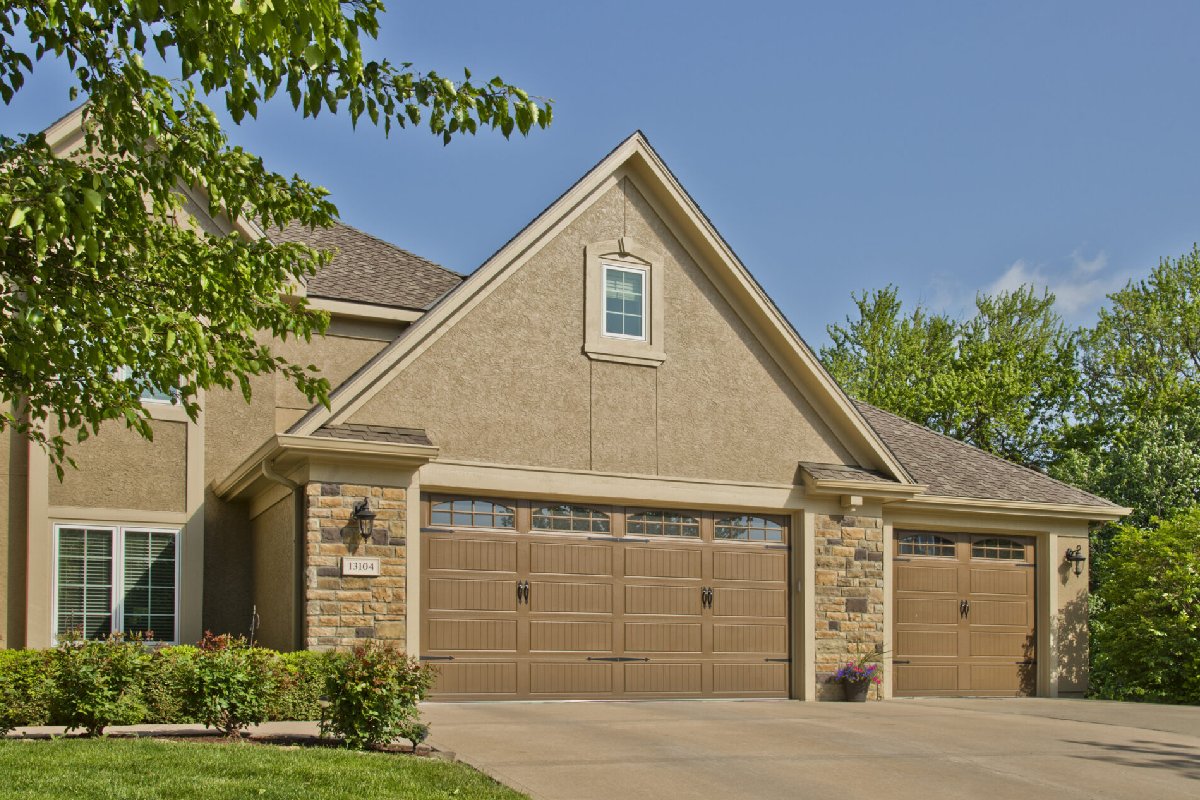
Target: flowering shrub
pixel 373 693
pixel 859 671
pixel 232 683
pixel 95 682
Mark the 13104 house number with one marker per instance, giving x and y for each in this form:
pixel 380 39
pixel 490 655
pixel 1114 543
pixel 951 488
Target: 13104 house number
pixel 360 567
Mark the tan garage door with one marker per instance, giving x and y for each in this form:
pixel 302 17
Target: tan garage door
pixel 964 614
pixel 636 604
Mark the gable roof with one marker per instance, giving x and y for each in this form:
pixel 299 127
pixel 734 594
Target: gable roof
pixel 365 269
pixel 951 468
pixel 637 158
pixel 374 433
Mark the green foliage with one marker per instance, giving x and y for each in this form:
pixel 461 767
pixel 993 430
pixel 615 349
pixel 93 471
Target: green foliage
pixel 373 694
pixel 1002 380
pixel 1146 614
pixel 167 675
pixel 24 689
pixel 301 684
pixel 96 683
pixel 104 270
pixel 231 684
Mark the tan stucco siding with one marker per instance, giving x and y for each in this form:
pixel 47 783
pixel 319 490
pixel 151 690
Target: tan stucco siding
pixel 274 537
pixel 1071 620
pixel 337 357
pixel 119 469
pixel 509 383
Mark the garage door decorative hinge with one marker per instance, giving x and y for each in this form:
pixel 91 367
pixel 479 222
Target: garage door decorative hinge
pixel 615 658
pixel 436 658
pixel 778 660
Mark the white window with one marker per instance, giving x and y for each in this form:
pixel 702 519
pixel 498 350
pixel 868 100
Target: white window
pixel 115 578
pixel 624 302
pixel 150 394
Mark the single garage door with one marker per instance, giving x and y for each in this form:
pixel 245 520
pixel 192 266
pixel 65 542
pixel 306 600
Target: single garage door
pixel 528 600
pixel 964 614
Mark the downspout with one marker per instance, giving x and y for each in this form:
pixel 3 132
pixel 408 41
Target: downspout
pixel 298 562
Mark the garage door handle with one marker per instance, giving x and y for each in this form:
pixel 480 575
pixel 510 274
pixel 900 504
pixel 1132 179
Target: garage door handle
pixel 964 607
pixel 523 592
pixel 706 597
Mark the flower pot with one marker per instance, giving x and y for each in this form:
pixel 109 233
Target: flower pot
pixel 856 691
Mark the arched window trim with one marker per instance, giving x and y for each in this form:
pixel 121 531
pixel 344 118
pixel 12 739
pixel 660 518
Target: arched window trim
pixel 926 545
pixel 748 527
pixel 573 518
pixel 665 523
pixel 472 512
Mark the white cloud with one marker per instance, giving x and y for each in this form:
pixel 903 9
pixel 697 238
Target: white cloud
pixel 1080 284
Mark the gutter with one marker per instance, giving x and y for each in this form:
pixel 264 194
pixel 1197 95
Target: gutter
pixel 299 544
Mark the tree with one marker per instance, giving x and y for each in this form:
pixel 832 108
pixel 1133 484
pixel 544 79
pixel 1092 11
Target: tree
pixel 1146 613
pixel 1136 431
pixel 1002 380
pixel 107 288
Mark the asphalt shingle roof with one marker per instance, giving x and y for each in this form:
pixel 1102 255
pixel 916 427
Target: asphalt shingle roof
pixel 951 468
pixel 843 472
pixel 374 433
pixel 365 269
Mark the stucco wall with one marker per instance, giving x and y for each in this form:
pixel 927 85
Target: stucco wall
pixel 274 543
pixel 336 356
pixel 509 382
pixel 119 469
pixel 1071 620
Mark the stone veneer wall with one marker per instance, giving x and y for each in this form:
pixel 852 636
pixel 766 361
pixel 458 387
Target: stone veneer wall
pixel 344 611
pixel 849 594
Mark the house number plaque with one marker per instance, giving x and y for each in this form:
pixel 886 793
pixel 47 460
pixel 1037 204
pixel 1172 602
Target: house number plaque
pixel 353 565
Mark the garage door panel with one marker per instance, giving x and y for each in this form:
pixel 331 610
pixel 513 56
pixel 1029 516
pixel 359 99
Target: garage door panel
pixel 1001 678
pixel 749 638
pixel 465 594
pixel 925 578
pixel 663 637
pixel 918 678
pixel 999 581
pixel 1000 612
pixel 1015 645
pixel 473 634
pixel 750 678
pixel 733 566
pixel 926 611
pixel 570 678
pixel 927 643
pixel 760 603
pixel 559 636
pixel 662 600
pixel 476 678
pixel 472 555
pixel 570 597
pixel 665 678
pixel 648 562
pixel 569 559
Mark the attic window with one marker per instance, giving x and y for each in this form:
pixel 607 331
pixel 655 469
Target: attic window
pixel 623 303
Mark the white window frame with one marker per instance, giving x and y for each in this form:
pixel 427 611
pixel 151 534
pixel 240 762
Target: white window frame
pixel 604 295
pixel 124 373
pixel 118 577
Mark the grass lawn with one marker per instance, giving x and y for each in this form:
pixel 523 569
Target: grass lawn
pixel 122 769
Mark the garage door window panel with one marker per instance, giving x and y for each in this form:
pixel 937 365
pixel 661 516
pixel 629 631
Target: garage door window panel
pixel 746 528
pixel 662 523
pixel 926 545
pixel 998 549
pixel 570 518
pixel 472 512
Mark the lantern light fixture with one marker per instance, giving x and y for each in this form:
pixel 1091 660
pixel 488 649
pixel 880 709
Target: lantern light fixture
pixel 365 518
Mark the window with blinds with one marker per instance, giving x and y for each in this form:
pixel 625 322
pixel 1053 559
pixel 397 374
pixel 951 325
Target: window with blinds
pixel 117 579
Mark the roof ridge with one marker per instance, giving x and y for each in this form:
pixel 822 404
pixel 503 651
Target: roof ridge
pixel 981 451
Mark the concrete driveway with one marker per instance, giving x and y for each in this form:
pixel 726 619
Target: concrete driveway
pixel 921 749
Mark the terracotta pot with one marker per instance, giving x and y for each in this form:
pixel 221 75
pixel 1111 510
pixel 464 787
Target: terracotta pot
pixel 856 691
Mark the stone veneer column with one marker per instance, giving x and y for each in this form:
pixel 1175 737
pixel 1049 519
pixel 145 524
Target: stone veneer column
pixel 341 612
pixel 849 594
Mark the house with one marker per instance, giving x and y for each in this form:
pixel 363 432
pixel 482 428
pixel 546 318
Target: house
pixel 603 465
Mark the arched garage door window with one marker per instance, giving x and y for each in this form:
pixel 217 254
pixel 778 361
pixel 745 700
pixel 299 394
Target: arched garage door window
pixel 928 545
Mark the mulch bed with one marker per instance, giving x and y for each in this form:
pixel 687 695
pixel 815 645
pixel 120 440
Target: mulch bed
pixel 281 740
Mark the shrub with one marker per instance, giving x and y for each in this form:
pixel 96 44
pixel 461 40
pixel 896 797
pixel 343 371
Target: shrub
pixel 1146 614
pixel 167 676
pixel 301 684
pixel 24 689
pixel 96 682
pixel 232 683
pixel 373 694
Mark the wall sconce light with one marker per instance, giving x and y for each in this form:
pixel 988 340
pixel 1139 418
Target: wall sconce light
pixel 1075 556
pixel 365 517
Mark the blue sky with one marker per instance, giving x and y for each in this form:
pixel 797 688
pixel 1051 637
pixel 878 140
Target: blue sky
pixel 945 147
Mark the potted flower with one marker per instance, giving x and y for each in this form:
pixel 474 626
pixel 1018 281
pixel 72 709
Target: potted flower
pixel 857 676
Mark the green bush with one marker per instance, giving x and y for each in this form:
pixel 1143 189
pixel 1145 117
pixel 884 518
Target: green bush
pixel 1146 613
pixel 373 694
pixel 168 673
pixel 301 684
pixel 24 689
pixel 232 683
pixel 95 683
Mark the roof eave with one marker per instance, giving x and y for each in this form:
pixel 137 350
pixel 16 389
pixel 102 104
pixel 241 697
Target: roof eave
pixel 1018 508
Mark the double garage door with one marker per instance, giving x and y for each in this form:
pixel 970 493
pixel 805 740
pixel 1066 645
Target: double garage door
pixel 964 615
pixel 582 602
